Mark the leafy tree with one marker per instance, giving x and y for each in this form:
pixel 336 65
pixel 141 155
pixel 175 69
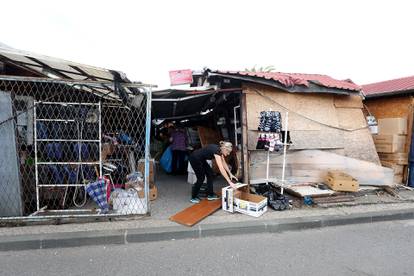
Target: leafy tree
pixel 266 69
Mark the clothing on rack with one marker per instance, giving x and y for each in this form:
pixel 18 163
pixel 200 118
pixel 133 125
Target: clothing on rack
pixel 270 121
pixel 269 141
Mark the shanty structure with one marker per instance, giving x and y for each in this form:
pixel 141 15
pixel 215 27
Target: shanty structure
pixel 57 121
pixel 325 114
pixel 393 99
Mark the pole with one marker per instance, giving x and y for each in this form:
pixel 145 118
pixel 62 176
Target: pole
pixel 284 152
pixel 36 162
pixel 147 146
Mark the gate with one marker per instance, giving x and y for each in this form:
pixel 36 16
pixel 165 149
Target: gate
pixel 73 149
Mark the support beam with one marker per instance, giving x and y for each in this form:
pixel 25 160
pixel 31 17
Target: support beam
pixel 245 153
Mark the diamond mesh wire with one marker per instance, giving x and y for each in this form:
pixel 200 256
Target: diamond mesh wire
pixel 72 149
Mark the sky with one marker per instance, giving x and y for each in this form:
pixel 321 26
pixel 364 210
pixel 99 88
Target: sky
pixel 366 41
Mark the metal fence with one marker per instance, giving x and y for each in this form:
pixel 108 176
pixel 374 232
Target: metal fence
pixel 71 149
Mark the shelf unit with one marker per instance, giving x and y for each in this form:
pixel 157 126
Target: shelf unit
pixel 285 144
pixel 59 107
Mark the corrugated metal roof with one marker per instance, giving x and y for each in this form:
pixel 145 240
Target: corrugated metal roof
pixel 59 68
pixel 292 79
pixel 389 87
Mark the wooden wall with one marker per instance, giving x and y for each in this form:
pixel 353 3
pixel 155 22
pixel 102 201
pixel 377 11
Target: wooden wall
pixel 393 107
pixel 316 121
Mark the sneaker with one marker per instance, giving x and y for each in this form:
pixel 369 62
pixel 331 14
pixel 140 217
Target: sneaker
pixel 212 197
pixel 195 200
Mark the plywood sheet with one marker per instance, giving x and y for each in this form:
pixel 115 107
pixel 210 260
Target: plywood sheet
pixel 348 101
pixel 351 118
pixel 327 138
pixel 360 145
pixel 197 212
pixel 313 165
pixel 311 107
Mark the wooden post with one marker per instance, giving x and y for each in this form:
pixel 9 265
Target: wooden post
pixel 245 152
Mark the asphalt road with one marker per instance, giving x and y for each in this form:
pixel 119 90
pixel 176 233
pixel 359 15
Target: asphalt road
pixel 385 248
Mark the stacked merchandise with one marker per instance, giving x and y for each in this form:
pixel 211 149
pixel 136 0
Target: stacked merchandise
pixel 270 126
pixel 390 144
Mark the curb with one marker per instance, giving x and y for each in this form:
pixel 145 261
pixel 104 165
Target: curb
pixel 125 236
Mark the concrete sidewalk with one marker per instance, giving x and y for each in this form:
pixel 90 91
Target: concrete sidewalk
pixel 149 229
pixel 173 196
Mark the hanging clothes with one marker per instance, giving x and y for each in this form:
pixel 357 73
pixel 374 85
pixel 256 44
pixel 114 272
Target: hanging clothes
pixel 270 121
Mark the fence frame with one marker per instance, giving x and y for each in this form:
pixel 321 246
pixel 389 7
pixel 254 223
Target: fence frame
pixel 144 89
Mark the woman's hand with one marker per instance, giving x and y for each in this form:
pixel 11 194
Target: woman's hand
pixel 232 177
pixel 232 185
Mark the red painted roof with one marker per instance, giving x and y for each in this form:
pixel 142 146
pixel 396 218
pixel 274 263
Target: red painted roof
pixel 291 79
pixel 389 86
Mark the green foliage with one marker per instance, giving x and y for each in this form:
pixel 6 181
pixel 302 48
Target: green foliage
pixel 265 69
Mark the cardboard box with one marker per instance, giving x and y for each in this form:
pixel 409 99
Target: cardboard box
pixel 392 126
pixel 341 182
pixel 389 148
pixel 400 158
pixel 141 169
pixel 153 193
pixel 398 178
pixel 389 143
pixel 398 169
pixel 242 201
pixel 389 139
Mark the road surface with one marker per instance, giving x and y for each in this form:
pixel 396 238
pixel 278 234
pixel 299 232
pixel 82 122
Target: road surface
pixel 385 248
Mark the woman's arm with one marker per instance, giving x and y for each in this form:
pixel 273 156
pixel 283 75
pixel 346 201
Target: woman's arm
pixel 222 169
pixel 226 167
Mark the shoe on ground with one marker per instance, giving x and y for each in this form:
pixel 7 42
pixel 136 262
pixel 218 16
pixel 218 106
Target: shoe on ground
pixel 212 197
pixel 195 200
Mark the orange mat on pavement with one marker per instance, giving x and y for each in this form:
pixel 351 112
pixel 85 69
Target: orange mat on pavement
pixel 196 212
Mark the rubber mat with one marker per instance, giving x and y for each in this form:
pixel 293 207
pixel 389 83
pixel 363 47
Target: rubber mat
pixel 197 212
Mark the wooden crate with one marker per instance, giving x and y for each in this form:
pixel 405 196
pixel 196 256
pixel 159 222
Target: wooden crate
pixel 341 182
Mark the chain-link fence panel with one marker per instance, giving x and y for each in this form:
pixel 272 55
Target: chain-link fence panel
pixel 73 149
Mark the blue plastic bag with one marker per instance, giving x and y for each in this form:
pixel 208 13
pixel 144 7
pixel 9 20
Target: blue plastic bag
pixel 166 160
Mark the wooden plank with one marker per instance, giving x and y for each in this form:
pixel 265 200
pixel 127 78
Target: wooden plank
pixel 334 199
pixel 197 212
pixel 245 139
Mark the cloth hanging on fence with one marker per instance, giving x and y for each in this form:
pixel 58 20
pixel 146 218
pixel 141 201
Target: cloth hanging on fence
pixel 97 191
pixel 270 121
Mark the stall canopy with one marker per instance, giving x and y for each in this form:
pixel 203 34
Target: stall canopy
pixel 180 104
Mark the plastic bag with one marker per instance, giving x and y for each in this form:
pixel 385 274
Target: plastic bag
pixel 166 160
